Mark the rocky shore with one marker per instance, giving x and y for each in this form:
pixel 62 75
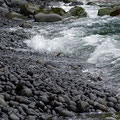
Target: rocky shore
pixel 35 86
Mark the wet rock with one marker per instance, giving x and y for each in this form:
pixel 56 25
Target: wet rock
pixel 4 10
pixel 91 3
pixel 105 11
pixel 102 107
pixel 26 92
pixel 115 13
pixel 58 11
pixel 29 9
pixel 112 99
pixel 41 17
pixel 19 87
pixel 30 117
pixel 13 117
pixel 15 3
pixel 110 104
pixel 67 99
pixel 72 108
pixel 13 103
pixel 27 25
pixel 16 16
pixel 1 2
pixel 40 104
pixel 77 12
pixel 44 99
pixel 66 113
pixel 101 101
pixel 117 107
pixel 61 99
pixel 2 102
pixel 74 3
pixel 93 96
pixel 82 106
pixel 21 99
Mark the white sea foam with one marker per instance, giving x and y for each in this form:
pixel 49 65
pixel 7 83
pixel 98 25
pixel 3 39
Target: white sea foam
pixel 106 49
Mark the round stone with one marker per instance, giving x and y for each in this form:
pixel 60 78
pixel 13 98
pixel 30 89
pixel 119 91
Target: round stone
pixel 14 117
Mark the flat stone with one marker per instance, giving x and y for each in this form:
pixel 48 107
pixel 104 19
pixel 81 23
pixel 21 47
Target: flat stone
pixel 117 107
pixel 2 102
pixel 93 96
pixel 61 99
pixel 101 101
pixel 67 113
pixel 26 92
pixel 110 104
pixel 13 117
pixel 82 105
pixel 112 99
pixel 102 107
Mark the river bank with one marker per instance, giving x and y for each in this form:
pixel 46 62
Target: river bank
pixel 46 86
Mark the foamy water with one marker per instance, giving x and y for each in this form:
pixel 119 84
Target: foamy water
pixel 93 39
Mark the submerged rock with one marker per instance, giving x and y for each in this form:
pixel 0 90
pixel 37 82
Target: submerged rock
pixel 105 11
pixel 42 17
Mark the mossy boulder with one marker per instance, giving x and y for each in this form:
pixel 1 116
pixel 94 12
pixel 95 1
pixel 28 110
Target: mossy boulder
pixel 116 6
pixel 105 11
pixel 58 11
pixel 29 9
pixel 115 13
pixel 52 17
pixel 77 12
pixel 17 16
pixel 43 10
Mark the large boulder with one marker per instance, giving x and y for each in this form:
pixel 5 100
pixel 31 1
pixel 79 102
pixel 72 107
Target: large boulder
pixel 29 9
pixel 58 11
pixel 115 13
pixel 105 11
pixel 77 12
pixel 116 6
pixel 16 16
pixel 15 3
pixel 55 10
pixel 42 17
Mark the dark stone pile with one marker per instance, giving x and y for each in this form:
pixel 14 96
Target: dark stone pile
pixel 32 88
pixel 36 86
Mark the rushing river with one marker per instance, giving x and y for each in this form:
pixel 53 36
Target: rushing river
pixel 94 39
